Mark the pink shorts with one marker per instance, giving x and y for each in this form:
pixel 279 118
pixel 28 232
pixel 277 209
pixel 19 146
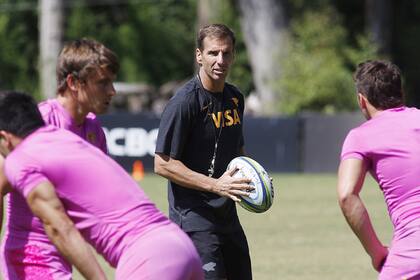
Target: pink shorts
pixel 162 253
pixel 403 261
pixel 33 261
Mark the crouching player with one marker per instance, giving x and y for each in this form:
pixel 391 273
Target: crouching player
pixel 79 194
pixel 85 72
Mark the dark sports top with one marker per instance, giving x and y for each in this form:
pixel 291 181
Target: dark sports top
pixel 193 120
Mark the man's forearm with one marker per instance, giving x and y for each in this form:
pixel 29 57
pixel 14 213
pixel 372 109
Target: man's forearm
pixel 359 221
pixel 178 173
pixel 226 185
pixel 351 175
pixel 74 248
pixel 45 204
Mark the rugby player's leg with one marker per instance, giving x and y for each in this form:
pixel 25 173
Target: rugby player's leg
pixel 33 261
pixel 236 255
pixel 209 247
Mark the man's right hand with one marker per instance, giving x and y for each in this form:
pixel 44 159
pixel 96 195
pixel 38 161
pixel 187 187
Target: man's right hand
pixel 232 187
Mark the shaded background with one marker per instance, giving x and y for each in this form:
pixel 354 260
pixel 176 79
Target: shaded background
pixel 294 62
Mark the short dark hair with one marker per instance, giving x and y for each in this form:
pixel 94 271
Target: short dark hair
pixel 19 113
pixel 80 58
pixel 215 30
pixel 380 81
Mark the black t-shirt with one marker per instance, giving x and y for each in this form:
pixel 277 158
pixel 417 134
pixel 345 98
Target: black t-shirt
pixel 192 122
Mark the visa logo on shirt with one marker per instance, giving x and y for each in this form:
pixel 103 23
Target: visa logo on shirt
pixel 226 118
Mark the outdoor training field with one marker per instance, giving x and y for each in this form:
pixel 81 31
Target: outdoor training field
pixel 303 235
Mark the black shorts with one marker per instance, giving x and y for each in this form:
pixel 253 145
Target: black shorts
pixel 224 255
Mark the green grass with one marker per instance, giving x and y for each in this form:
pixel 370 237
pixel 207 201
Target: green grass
pixel 303 235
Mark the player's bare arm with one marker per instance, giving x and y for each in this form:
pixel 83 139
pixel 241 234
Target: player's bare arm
pixel 351 175
pixel 175 171
pixel 45 204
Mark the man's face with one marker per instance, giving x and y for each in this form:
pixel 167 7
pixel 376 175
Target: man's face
pixel 216 57
pixel 97 91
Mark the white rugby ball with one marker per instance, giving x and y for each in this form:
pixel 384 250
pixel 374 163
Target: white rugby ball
pixel 261 198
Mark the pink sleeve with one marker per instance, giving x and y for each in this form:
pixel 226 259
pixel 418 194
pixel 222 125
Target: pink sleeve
pixel 353 147
pixel 23 174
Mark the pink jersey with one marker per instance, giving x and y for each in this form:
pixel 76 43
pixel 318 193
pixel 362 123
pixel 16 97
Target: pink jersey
pixel 23 229
pixel 106 205
pixel 53 113
pixel 390 145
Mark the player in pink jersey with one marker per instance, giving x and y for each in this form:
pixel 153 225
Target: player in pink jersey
pixel 85 72
pixel 81 194
pixel 387 146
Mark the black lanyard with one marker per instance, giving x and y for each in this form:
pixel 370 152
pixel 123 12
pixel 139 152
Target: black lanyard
pixel 217 132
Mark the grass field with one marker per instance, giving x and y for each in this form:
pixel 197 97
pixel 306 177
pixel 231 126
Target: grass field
pixel 303 235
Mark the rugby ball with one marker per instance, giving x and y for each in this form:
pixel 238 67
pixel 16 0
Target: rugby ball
pixel 261 198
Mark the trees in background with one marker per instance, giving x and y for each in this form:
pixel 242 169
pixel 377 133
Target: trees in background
pixel 378 14
pixel 404 46
pixel 155 42
pixel 318 66
pixel 302 55
pixel 18 46
pixel 264 29
pixel 50 22
pixel 153 39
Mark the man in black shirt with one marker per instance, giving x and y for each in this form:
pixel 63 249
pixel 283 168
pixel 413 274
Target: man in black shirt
pixel 200 133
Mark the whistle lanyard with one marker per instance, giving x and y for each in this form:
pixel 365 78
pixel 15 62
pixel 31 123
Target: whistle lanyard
pixel 217 134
